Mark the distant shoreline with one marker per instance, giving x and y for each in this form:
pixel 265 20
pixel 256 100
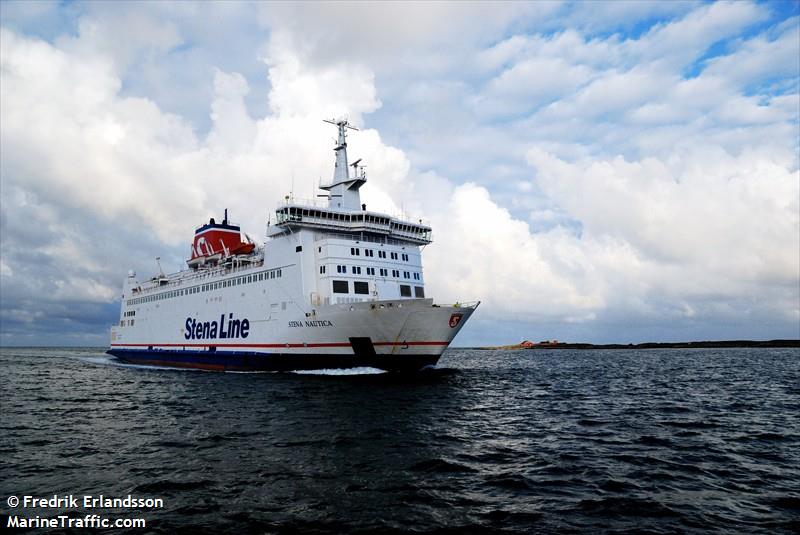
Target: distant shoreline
pixel 707 344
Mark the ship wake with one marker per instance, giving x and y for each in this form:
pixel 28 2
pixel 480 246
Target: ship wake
pixel 363 370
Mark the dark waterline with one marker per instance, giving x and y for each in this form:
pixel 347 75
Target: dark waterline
pixel 512 442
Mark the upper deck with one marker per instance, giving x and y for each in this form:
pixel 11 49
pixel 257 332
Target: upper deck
pixel 188 277
pixel 342 211
pixel 293 213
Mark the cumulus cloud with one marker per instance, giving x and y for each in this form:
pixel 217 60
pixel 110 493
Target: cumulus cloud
pixel 707 224
pixel 582 183
pixel 94 167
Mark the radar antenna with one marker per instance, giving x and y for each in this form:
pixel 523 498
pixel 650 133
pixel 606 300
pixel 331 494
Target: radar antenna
pixel 342 122
pixel 343 186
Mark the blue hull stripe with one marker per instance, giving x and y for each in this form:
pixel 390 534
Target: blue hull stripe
pixel 253 361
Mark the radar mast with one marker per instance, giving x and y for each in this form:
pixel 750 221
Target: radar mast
pixel 343 189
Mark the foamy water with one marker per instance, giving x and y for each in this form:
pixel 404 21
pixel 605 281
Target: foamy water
pixel 365 370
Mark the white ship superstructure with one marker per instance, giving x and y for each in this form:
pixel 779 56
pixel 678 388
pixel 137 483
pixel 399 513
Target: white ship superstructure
pixel 335 285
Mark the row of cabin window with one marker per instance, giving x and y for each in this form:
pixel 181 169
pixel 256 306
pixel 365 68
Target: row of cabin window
pixel 300 212
pixel 355 251
pixel 129 313
pixel 296 214
pixel 359 287
pixel 256 277
pixel 371 271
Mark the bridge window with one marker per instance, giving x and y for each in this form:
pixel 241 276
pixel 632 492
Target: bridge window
pixel 341 287
pixel 360 287
pixel 419 291
pixel 405 290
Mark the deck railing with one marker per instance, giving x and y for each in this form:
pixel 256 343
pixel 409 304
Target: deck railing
pixel 189 277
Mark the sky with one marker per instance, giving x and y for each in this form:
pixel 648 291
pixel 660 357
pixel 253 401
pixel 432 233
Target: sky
pixel 593 171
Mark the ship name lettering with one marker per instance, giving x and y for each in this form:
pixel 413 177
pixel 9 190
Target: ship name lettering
pixel 225 328
pixel 311 323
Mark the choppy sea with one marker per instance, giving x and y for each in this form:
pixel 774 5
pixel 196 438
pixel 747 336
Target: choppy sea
pixel 657 441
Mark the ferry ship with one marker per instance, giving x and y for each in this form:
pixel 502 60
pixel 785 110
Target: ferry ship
pixel 334 286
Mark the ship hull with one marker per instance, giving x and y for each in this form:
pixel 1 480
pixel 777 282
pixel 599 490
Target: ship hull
pixel 389 335
pixel 251 361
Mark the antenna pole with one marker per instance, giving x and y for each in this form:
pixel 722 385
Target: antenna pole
pixel 340 170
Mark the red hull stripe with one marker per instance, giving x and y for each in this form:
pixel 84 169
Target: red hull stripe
pixel 333 344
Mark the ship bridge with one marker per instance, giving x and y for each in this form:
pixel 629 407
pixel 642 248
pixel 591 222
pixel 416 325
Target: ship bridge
pixel 293 215
pixel 342 212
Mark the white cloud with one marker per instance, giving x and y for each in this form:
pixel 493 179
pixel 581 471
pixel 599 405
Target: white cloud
pixel 483 251
pixel 677 43
pixel 530 83
pixel 653 197
pixel 760 58
pixel 722 218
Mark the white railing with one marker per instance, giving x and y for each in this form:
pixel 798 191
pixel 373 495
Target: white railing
pixel 307 203
pixel 319 204
pixel 191 276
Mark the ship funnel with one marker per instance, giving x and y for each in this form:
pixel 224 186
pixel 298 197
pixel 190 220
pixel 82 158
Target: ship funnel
pixel 215 241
